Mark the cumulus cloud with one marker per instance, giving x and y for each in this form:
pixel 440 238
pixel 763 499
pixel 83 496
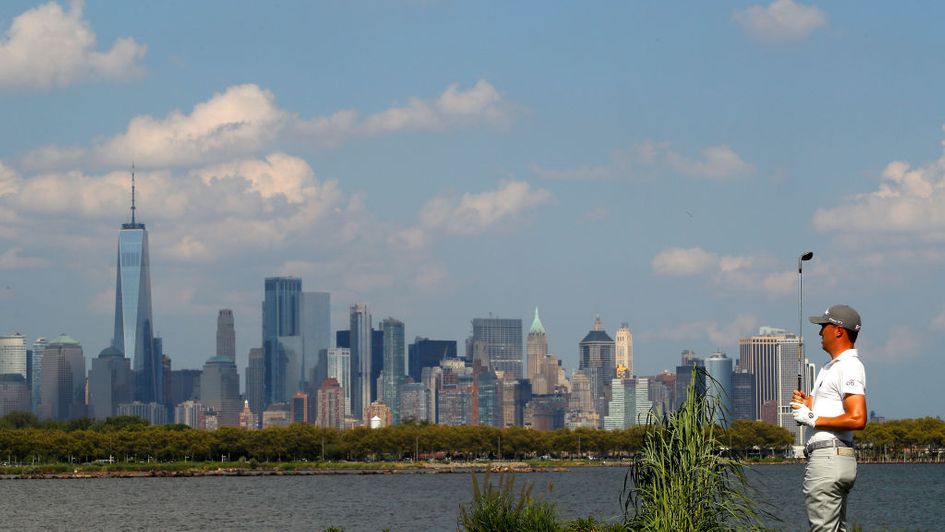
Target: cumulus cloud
pixel 713 331
pixel 472 213
pixel 51 47
pixel 683 262
pixel 9 180
pixel 719 162
pixel 938 322
pixel 782 20
pixel 455 107
pixel 245 120
pixel 752 273
pixel 909 201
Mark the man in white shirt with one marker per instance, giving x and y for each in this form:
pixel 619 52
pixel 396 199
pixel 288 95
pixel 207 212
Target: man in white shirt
pixel 834 409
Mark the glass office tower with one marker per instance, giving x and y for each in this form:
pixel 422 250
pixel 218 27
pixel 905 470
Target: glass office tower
pixel 134 329
pixel 281 318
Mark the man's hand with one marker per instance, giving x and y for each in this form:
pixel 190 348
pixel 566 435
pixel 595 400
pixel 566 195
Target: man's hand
pixel 802 398
pixel 803 415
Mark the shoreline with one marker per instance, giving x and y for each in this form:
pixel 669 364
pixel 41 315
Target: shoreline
pixel 176 470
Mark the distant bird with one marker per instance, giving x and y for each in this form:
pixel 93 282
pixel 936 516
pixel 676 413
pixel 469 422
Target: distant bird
pixel 689 213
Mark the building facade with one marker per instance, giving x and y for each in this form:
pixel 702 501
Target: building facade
pixel 226 334
pixel 597 359
pixel 281 318
pixel 499 341
pixel 392 374
pixel 719 391
pixel 111 383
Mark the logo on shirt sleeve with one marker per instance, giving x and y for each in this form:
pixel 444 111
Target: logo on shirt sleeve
pixel 851 382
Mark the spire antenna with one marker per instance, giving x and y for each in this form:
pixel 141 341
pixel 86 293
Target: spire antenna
pixel 132 193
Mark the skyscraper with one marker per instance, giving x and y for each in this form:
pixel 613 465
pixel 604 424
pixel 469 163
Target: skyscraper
pixel 501 343
pixel 39 347
pixel 256 382
pixel 719 390
pixel 598 362
pixel 111 383
pixel 281 318
pixel 623 342
pixel 134 327
pixel 394 364
pixel 426 353
pixel 339 369
pixel 316 335
pixel 220 390
pixel 63 380
pixel 536 348
pixel 772 357
pixel 361 359
pixel 13 355
pixel 226 335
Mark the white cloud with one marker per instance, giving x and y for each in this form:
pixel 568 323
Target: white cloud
pixel 909 201
pixel 12 259
pixel 9 180
pixel 480 104
pixel 683 262
pixel 782 20
pixel 473 213
pixel 902 343
pixel 750 273
pixel 717 333
pixel 718 162
pixel 49 47
pixel 242 119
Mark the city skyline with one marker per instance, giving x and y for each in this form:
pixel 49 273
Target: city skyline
pixel 659 165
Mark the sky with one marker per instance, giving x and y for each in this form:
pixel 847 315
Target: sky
pixel 662 164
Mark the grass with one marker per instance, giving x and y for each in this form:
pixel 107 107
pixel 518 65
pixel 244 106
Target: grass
pixel 682 480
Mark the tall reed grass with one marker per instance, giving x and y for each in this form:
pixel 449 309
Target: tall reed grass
pixel 684 480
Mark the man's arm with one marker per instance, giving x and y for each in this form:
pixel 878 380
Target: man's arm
pixel 852 418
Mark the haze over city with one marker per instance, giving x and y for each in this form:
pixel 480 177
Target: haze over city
pixel 661 165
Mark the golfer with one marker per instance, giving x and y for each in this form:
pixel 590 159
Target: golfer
pixel 834 409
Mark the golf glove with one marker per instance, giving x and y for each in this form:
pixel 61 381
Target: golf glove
pixel 804 416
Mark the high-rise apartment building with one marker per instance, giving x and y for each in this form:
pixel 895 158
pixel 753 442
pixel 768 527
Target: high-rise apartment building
pixel 489 399
pixel 623 345
pixel 111 383
pixel 281 320
pixel 416 403
pixel 719 390
pixel 500 343
pixel 339 369
pixel 597 361
pixel 362 372
pixel 772 356
pixel 13 355
pixel 392 374
pixel 331 404
pixel 226 334
pixel 536 349
pixel 134 326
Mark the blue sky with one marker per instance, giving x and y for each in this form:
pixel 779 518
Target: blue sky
pixel 657 163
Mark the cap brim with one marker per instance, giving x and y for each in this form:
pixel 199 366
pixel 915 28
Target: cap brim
pixel 818 320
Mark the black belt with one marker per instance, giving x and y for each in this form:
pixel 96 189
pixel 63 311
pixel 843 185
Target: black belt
pixel 823 444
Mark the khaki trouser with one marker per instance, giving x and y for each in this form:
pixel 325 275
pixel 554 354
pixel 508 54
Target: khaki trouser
pixel 830 475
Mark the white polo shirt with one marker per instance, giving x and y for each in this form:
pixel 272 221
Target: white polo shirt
pixel 839 377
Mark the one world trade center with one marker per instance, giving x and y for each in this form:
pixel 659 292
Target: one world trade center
pixel 134 329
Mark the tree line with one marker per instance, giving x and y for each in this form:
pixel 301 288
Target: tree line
pixel 25 440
